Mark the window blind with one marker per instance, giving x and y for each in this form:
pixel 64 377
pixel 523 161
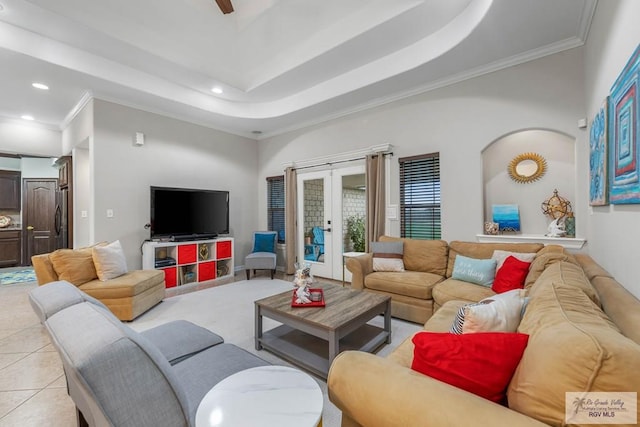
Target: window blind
pixel 275 205
pixel 420 197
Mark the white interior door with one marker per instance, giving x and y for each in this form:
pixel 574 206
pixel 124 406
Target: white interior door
pixel 326 200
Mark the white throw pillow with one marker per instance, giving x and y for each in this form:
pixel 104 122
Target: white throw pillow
pixel 109 261
pixel 498 313
pixel 387 256
pixel 501 256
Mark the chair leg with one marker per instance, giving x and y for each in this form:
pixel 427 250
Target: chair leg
pixel 248 273
pixel 272 273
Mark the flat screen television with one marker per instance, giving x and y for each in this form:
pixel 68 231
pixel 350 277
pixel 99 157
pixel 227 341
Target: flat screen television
pixel 183 213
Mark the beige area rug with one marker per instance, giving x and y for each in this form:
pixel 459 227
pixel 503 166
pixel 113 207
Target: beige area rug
pixel 228 310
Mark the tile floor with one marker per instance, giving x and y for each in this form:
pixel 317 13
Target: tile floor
pixel 32 385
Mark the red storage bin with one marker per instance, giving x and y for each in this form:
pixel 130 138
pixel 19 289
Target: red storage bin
pixel 223 249
pixel 206 271
pixel 187 254
pixel 170 277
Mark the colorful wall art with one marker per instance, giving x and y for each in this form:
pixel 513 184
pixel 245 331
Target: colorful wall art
pixel 598 148
pixel 507 217
pixel 624 120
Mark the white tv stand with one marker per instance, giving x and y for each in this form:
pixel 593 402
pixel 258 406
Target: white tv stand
pixel 190 262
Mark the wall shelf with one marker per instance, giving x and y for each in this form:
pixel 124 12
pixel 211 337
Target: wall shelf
pixel 568 242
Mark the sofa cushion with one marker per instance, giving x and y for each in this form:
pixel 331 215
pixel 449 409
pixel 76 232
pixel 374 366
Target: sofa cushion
pixel 74 265
pixel 478 271
pixel 409 283
pixel 387 256
pixel 109 261
pixel 567 273
pixel 549 255
pixel 128 285
pixel 485 250
pixel 510 275
pixel 573 347
pixel 427 256
pixel 452 290
pixel 478 363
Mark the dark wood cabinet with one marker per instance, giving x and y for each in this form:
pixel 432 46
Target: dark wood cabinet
pixel 64 171
pixel 9 190
pixel 10 248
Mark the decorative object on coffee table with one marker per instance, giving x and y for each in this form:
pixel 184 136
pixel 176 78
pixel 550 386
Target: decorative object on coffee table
pixel 301 281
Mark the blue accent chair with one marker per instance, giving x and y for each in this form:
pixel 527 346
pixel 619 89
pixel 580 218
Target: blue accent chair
pixel 263 255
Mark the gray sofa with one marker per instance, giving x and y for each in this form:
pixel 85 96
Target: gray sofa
pixel 119 377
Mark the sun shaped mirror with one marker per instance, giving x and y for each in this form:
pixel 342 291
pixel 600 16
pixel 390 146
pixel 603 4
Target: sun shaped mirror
pixel 527 167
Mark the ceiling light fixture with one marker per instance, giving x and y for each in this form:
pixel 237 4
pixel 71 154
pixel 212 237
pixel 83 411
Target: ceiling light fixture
pixel 217 90
pixel 27 117
pixel 41 86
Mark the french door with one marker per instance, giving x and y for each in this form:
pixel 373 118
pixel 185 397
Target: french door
pixel 326 199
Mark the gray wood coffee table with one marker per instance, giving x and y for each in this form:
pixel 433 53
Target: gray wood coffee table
pixel 311 337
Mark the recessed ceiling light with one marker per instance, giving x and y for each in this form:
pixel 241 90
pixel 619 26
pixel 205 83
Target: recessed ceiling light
pixel 40 86
pixel 256 132
pixel 216 89
pixel 27 117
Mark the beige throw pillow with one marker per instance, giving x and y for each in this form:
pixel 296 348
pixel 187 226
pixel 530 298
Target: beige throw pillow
pixel 501 256
pixel 74 266
pixel 109 261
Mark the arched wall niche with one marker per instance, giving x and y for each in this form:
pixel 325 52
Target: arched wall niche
pixel 557 148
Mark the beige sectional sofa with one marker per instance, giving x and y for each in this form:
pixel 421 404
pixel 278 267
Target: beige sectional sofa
pixel 426 283
pixel 583 337
pixel 127 296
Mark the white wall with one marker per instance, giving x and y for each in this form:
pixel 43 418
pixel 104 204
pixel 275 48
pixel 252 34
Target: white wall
pixel 613 230
pixel 29 139
pixel 175 154
pixel 459 121
pixel 82 198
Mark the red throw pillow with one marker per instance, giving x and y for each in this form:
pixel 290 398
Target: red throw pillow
pixel 481 363
pixel 511 275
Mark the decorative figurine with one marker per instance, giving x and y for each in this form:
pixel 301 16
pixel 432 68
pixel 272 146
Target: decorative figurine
pixel 302 280
pixel 555 229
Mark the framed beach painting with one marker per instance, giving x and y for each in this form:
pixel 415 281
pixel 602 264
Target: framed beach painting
pixel 624 117
pixel 598 149
pixel 507 217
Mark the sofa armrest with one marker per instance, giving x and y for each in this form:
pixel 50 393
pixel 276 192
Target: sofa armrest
pixel 377 392
pixel 43 268
pixel 359 267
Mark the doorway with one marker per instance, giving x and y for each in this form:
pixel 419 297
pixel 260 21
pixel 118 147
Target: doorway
pixel 329 202
pixel 39 212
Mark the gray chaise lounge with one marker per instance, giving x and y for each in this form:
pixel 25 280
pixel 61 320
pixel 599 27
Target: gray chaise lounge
pixel 119 377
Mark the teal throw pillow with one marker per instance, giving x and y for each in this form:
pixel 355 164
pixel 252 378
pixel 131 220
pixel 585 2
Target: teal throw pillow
pixel 264 242
pixel 478 271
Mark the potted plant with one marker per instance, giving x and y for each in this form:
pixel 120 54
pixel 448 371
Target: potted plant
pixel 355 232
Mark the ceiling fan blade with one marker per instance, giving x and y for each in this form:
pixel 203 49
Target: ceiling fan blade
pixel 225 6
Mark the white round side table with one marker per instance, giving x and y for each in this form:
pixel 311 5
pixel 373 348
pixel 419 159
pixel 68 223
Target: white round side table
pixel 263 396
